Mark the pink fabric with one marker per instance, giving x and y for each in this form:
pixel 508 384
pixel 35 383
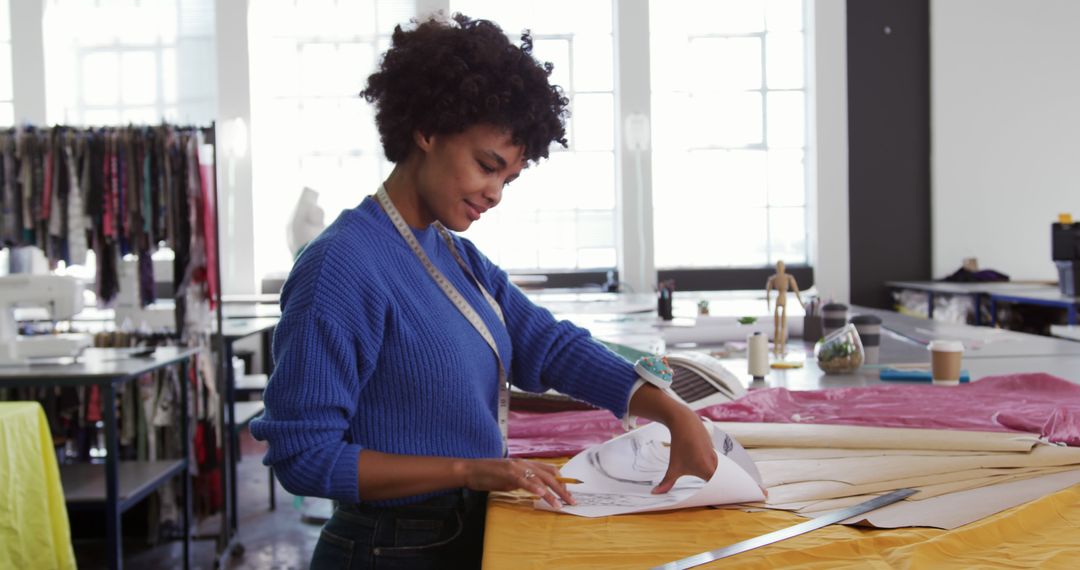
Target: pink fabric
pixel 1035 403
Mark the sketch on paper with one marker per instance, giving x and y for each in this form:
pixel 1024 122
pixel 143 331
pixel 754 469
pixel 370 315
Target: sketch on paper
pixel 612 500
pixel 619 476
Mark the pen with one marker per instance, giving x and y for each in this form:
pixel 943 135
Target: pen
pixel 569 480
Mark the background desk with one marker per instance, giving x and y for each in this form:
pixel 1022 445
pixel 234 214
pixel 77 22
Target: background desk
pixel 991 343
pixel 903 341
pixel 117 486
pixel 35 531
pixel 1046 298
pixel 1002 292
pixel 239 415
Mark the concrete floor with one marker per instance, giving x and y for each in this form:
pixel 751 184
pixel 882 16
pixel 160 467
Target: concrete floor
pixel 275 540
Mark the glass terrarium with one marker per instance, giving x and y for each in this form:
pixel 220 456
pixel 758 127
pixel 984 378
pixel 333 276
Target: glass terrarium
pixel 840 352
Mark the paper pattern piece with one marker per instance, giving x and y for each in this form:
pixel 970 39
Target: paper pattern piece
pixel 797 496
pixel 619 476
pixel 961 476
pixel 957 509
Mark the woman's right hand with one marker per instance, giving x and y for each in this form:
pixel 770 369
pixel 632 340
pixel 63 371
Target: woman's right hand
pixel 510 474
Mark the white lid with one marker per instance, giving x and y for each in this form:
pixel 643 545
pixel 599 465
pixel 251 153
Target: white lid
pixel 946 346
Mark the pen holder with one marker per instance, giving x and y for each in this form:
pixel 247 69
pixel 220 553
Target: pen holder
pixel 812 328
pixel 663 307
pixel 869 327
pixel 834 317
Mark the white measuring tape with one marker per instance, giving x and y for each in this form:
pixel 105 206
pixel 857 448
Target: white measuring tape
pixel 456 298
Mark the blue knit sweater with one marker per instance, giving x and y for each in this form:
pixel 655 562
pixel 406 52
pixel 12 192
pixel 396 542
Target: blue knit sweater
pixel 371 354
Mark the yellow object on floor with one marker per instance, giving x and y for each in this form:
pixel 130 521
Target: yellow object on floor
pixel 34 531
pixel 1040 534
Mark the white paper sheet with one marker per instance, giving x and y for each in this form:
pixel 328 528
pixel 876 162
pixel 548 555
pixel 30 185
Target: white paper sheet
pixel 717 330
pixel 619 476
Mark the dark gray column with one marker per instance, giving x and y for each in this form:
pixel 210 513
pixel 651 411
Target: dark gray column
pixel 889 140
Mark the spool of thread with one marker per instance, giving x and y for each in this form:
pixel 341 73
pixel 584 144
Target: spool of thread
pixel 757 355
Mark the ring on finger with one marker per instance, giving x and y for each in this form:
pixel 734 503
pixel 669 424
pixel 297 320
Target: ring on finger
pixel 529 474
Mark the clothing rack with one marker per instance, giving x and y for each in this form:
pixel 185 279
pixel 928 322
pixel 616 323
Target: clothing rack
pixel 119 188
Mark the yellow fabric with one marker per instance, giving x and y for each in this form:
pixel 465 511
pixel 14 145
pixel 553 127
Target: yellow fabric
pixel 1040 534
pixel 34 531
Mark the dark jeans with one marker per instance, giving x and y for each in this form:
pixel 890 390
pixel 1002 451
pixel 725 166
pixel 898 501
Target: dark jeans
pixel 443 532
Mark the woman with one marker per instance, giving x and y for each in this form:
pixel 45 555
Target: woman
pixel 396 337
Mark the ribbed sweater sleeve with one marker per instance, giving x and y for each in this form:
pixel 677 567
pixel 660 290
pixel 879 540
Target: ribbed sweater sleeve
pixel 305 418
pixel 553 354
pixel 325 347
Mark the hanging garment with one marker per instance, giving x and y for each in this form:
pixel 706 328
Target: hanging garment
pixel 24 154
pixel 11 219
pixel 209 216
pixel 57 208
pixel 76 214
pixel 47 184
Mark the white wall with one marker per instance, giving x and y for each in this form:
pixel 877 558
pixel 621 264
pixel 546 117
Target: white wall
pixel 235 224
pixel 1005 99
pixel 827 165
pixel 27 61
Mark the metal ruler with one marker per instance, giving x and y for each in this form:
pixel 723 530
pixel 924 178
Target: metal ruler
pixel 789 532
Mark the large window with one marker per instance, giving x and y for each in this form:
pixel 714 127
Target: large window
pixel 562 215
pixel 310 128
pixel 728 137
pixel 110 62
pixel 729 140
pixel 724 160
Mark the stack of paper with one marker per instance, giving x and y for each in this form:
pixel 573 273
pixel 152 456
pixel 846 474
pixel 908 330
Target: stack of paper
pixel 961 476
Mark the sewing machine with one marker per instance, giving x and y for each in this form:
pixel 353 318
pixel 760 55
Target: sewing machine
pixel 61 296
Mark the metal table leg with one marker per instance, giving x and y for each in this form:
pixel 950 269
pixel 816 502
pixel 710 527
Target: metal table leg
pixel 185 476
pixel 113 532
pixel 234 439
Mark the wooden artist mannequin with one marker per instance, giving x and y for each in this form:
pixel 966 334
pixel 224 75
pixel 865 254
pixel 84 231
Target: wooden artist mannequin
pixel 781 282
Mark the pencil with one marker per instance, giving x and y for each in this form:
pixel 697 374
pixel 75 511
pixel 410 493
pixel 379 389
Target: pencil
pixel 569 480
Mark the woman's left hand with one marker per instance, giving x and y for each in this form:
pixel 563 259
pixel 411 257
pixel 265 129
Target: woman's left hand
pixel 692 451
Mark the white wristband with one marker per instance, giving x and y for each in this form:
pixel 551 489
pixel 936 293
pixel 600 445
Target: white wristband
pixel 629 422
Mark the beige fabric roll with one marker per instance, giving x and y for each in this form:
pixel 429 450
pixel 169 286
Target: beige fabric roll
pixel 797 496
pixel 783 453
pixel 860 437
pixel 863 470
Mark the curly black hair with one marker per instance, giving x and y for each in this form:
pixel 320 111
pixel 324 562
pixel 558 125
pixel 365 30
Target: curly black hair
pixel 444 76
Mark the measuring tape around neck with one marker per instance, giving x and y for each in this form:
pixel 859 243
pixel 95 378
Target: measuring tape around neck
pixel 455 297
